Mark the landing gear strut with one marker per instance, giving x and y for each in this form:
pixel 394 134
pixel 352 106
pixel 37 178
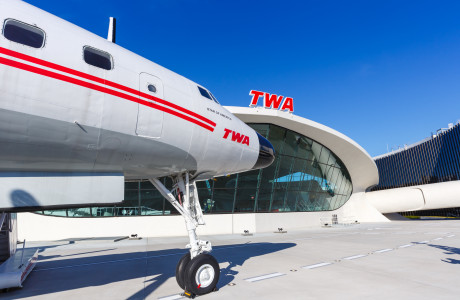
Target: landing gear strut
pixel 197 272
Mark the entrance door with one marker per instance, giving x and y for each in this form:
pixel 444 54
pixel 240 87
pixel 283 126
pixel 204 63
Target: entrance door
pixel 149 120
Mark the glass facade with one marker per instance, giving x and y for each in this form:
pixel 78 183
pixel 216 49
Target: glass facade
pixel 436 159
pixel 305 176
pixel 453 212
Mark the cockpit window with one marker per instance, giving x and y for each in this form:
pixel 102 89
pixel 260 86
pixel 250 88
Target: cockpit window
pixel 214 98
pixel 204 93
pixel 207 94
pixel 24 33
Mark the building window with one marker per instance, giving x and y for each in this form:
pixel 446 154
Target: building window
pixel 97 58
pixel 24 33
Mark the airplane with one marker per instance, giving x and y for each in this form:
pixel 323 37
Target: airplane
pixel 78 110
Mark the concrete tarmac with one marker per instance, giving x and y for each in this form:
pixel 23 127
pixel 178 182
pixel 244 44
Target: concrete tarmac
pixel 397 260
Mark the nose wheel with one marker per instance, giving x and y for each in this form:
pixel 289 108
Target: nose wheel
pixel 180 270
pixel 197 276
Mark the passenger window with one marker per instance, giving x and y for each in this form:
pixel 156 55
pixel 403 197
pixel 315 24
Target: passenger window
pixel 204 93
pixel 24 33
pixel 97 58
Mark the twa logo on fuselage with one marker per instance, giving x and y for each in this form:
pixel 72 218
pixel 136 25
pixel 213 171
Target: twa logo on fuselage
pixel 236 137
pixel 272 101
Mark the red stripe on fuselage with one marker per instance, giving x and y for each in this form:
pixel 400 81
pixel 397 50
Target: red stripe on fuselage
pixel 102 81
pixel 102 89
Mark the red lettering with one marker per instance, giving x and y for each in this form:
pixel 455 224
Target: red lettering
pixel 272 100
pixel 288 104
pixel 237 137
pixel 246 140
pixel 255 96
pixel 227 132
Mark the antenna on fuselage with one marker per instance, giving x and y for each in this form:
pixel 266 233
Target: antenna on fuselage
pixel 112 30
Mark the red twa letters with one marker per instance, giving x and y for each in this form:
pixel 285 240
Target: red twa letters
pixel 236 137
pixel 272 101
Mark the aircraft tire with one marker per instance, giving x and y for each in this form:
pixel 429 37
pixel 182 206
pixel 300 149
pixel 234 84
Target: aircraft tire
pixel 180 269
pixel 202 274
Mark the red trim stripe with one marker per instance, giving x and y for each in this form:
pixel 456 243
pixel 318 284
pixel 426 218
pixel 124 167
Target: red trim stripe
pixel 102 81
pixel 93 86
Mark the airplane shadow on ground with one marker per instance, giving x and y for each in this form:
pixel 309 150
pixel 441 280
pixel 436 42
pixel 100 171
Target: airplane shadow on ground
pixel 235 255
pixel 66 273
pixel 449 250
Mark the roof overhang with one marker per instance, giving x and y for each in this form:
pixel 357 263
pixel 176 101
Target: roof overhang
pixel 359 163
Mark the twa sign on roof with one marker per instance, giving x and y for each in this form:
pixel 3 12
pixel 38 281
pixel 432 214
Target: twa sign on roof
pixel 272 101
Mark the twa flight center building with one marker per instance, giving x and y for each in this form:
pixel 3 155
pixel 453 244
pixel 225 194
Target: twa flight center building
pixel 319 177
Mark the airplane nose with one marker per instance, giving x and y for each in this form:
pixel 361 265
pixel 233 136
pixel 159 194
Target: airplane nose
pixel 266 153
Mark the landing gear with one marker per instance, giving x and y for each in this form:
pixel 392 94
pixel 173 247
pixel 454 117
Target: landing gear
pixel 202 274
pixel 197 272
pixel 198 276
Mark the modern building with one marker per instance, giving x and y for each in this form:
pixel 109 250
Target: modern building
pixel 421 177
pixel 435 159
pixel 319 175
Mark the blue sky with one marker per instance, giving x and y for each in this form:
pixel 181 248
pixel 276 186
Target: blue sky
pixel 381 72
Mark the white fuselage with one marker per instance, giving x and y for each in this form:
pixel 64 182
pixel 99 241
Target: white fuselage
pixel 59 113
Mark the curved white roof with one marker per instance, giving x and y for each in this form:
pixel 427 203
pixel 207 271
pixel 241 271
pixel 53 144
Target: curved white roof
pixel 358 162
